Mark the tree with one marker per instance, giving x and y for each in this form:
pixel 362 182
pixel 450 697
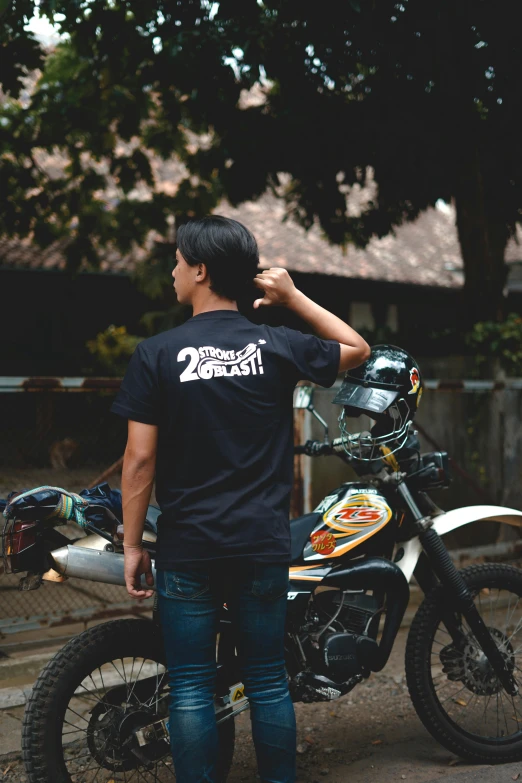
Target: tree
pixel 425 94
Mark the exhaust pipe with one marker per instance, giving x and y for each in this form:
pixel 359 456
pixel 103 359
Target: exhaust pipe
pixel 93 565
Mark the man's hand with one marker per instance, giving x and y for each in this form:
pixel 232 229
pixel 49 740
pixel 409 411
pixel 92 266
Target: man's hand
pixel 279 289
pixel 277 286
pixel 136 563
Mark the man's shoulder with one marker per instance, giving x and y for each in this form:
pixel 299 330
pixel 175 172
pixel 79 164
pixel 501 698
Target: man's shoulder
pixel 152 345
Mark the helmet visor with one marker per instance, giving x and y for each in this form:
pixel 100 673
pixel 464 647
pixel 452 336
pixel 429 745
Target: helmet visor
pixel 365 399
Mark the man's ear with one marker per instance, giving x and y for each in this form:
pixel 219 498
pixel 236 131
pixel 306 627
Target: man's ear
pixel 201 273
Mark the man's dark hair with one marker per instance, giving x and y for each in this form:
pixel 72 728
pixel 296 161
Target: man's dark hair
pixel 226 247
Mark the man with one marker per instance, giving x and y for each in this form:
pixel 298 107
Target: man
pixel 209 406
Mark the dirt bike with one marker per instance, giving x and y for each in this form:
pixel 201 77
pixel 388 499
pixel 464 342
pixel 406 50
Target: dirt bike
pixel 98 711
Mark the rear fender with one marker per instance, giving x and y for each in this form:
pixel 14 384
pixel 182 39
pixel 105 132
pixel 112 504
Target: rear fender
pixel 451 520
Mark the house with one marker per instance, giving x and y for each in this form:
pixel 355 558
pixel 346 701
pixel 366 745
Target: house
pixel 406 284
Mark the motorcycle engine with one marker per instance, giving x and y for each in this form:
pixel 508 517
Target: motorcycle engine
pixel 341 641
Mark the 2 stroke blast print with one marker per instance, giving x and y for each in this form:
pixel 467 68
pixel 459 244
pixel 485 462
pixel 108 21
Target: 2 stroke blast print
pixel 209 362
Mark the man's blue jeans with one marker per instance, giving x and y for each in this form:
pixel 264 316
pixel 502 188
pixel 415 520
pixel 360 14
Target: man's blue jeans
pixel 189 604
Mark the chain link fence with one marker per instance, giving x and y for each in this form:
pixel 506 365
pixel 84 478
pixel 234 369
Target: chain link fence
pixel 69 438
pixel 61 432
pixel 54 605
pixel 56 430
pixel 66 439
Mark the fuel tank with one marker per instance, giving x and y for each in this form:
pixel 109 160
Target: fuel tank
pixel 351 517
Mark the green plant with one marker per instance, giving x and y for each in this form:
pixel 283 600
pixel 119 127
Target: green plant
pixel 112 348
pixel 146 114
pixel 499 341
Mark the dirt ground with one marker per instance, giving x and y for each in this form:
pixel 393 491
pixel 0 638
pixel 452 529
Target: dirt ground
pixel 371 734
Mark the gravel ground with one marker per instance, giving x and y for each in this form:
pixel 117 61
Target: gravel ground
pixel 371 734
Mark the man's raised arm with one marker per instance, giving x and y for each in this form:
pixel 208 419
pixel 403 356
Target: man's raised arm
pixel 279 289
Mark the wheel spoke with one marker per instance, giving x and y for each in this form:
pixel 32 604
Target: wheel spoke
pixel 136 680
pixel 504 713
pixel 90 697
pixel 517 629
pixel 484 709
pixel 97 687
pixel 508 621
pixel 156 693
pixel 454 695
pixel 78 715
pixel 104 722
pixel 76 728
pixel 118 671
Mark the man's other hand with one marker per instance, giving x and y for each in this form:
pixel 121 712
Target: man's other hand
pixel 136 563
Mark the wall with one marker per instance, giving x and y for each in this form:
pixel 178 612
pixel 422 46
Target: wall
pixel 47 316
pixel 480 430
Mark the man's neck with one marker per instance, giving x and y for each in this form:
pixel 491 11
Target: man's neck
pixel 209 302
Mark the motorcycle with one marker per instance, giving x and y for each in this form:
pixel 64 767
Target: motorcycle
pixel 99 709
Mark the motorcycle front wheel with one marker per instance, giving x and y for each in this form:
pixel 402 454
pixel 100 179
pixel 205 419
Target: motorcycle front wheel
pixel 454 690
pixel 80 719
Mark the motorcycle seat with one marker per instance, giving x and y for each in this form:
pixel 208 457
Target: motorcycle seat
pixel 300 529
pixel 151 521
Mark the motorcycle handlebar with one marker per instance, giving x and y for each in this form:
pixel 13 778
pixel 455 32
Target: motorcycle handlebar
pixel 318 448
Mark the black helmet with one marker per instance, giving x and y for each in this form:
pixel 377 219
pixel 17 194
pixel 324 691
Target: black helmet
pixel 388 388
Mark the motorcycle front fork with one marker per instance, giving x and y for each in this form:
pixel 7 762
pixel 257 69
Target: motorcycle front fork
pixel 461 596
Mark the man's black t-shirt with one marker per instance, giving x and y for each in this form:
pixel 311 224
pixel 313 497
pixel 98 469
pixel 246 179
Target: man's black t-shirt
pixel 220 390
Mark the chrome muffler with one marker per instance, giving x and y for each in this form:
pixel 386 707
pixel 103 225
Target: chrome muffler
pixel 91 564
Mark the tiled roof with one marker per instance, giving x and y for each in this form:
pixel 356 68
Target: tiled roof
pixel 421 252
pixel 23 254
pixel 425 252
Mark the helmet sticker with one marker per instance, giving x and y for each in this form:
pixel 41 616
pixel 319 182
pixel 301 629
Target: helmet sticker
pixel 415 380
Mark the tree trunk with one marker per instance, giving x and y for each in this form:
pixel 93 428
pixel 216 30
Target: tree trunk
pixel 483 236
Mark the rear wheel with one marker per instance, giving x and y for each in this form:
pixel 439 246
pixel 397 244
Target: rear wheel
pixel 80 720
pixel 454 690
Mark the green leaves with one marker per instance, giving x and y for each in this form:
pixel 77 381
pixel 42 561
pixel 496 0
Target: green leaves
pixel 19 51
pixel 499 341
pixel 112 349
pixel 410 91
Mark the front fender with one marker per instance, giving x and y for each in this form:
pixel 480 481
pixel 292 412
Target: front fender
pixel 451 520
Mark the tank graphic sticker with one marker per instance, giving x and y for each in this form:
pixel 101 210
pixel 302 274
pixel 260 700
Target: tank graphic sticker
pixel 355 517
pixel 309 573
pixel 323 542
pixel 326 503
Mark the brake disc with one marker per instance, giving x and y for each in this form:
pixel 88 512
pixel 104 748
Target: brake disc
pixel 470 666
